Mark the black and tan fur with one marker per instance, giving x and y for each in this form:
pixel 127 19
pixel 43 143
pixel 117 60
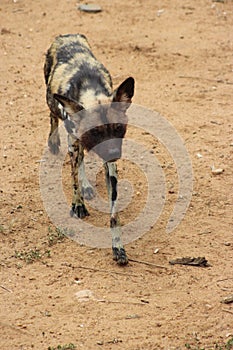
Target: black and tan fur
pixel 80 92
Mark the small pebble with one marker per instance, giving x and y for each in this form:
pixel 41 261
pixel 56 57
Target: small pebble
pixel 228 299
pixel 91 8
pixel 84 295
pixel 229 335
pixel 160 12
pixel 128 317
pixel 77 281
pixel 217 171
pixel 100 342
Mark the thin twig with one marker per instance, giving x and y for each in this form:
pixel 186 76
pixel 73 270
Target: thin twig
pixel 224 289
pixel 212 80
pixel 106 271
pixel 39 112
pixel 148 263
pixel 8 290
pixel 229 311
pixel 119 302
pixel 225 279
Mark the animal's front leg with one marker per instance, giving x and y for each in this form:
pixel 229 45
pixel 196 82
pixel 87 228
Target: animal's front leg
pixel 119 253
pixel 87 189
pixel 76 157
pixel 54 138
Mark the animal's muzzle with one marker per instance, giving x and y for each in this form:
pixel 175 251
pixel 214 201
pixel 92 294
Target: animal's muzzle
pixel 113 155
pixel 109 150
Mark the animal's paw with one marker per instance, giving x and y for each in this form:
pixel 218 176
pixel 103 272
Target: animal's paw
pixel 54 144
pixel 120 256
pixel 88 192
pixel 79 210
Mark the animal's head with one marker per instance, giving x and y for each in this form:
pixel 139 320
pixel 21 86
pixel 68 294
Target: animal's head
pixel 101 127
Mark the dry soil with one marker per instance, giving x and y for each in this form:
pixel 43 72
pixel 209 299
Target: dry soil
pixel 180 54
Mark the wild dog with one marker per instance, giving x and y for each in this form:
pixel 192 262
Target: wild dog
pixel 80 92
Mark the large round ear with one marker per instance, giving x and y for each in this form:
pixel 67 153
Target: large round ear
pixel 70 106
pixel 125 91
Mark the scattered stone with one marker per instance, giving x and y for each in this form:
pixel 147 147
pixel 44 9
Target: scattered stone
pixel 144 301
pixel 90 8
pixel 5 31
pixel 229 335
pixel 114 341
pixel 205 232
pixel 216 171
pixel 129 317
pixel 100 342
pixel 215 122
pixel 77 281
pixel 160 12
pixel 84 295
pixel 228 299
pixel 199 155
pixel 195 193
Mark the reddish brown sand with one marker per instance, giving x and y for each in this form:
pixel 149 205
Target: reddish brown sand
pixel 181 59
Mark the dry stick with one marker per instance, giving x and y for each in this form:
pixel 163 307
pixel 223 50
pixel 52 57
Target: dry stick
pixel 212 80
pixel 8 290
pixel 119 302
pixel 225 279
pixel 229 311
pixel 107 271
pixel 39 112
pixel 148 263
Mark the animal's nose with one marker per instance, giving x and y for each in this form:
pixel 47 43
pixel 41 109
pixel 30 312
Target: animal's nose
pixel 113 154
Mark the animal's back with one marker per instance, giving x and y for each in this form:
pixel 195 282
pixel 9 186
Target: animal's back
pixel 69 61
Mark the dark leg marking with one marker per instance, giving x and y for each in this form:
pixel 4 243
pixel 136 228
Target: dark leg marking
pixel 113 181
pixel 54 138
pixel 76 156
pixel 79 210
pixel 118 250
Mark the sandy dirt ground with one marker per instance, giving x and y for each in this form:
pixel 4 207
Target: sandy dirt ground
pixel 180 54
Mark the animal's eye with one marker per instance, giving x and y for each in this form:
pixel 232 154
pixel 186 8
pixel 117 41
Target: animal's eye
pixel 94 132
pixel 119 127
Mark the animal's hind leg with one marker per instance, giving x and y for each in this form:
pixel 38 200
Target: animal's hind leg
pixel 54 138
pixel 76 157
pixel 119 253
